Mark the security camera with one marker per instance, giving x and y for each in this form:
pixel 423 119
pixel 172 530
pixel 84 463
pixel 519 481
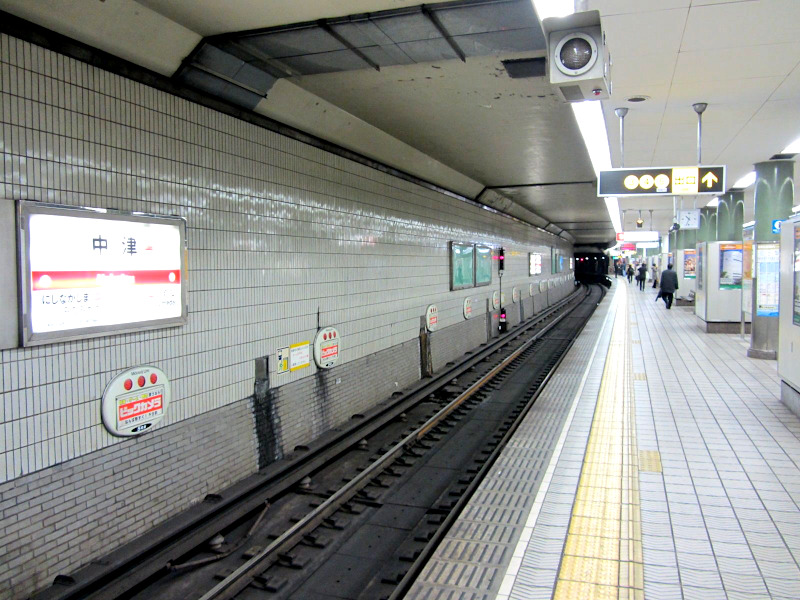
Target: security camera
pixel 579 61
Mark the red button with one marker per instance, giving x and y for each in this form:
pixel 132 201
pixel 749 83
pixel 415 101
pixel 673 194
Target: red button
pixel 141 381
pixel 128 384
pixel 153 377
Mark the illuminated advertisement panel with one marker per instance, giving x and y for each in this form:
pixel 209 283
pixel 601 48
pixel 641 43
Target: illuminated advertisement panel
pixel 534 264
pixel 86 273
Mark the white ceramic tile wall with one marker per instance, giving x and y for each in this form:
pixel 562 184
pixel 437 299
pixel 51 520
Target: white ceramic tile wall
pixel 279 233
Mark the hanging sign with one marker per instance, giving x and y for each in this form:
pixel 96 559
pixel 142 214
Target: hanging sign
pixel 326 347
pixel 661 181
pixel 135 400
pixel 432 318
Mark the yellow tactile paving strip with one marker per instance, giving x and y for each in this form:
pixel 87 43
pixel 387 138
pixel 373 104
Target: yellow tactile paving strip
pixel 603 552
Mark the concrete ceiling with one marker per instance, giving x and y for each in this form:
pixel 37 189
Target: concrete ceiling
pixel 468 127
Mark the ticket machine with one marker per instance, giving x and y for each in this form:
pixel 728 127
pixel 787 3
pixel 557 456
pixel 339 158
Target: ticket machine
pixel 718 297
pixel 789 314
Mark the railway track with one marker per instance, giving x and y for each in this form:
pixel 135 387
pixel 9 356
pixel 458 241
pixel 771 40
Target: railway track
pixel 358 516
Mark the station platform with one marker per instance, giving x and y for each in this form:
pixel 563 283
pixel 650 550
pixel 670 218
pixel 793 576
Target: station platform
pixel 658 463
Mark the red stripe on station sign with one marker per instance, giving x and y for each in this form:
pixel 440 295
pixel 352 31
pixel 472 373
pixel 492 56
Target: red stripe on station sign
pixel 62 280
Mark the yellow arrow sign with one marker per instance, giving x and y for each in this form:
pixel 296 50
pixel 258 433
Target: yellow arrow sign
pixel 709 179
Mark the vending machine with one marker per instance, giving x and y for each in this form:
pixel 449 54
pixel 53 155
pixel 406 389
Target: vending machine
pixel 789 314
pixel 718 297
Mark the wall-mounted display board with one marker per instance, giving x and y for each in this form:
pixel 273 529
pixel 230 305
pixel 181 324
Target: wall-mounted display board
pixel 495 300
pixel 534 264
pixel 483 265
pixel 467 308
pixel 730 266
pixel 462 266
pixel 432 318
pixel 86 273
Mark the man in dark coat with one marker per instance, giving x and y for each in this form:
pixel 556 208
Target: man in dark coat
pixel 669 285
pixel 641 275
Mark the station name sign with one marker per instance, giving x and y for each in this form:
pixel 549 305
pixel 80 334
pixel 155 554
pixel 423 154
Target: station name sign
pixel 658 181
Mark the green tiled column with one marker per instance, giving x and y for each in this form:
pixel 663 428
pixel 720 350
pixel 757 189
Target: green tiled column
pixel 730 216
pixel 774 196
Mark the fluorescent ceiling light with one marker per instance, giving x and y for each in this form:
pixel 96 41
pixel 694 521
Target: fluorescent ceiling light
pixel 612 206
pixel 793 148
pixel 713 203
pixel 748 224
pixel 745 181
pixel 589 115
pixel 553 8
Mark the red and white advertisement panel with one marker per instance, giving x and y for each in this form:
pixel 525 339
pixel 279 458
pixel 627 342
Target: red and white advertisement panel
pixel 90 273
pixel 327 347
pixel 135 400
pixel 432 318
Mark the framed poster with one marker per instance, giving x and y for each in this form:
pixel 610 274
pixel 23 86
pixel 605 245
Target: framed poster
pixel 462 266
pixel 483 265
pixel 90 272
pixel 689 264
pixel 796 295
pixel 730 266
pixel 767 279
pixel 534 264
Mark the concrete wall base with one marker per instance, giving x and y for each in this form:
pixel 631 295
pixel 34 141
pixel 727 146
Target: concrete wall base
pixel 790 397
pixel 762 354
pixel 724 327
pixel 683 302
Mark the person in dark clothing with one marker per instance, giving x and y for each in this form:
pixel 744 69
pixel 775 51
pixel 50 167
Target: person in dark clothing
pixel 629 273
pixel 669 285
pixel 641 276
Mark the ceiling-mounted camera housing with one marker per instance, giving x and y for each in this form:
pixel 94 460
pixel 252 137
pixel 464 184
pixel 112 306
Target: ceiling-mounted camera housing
pixel 578 59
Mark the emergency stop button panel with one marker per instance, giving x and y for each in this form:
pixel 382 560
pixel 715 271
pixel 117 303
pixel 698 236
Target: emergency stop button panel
pixel 135 400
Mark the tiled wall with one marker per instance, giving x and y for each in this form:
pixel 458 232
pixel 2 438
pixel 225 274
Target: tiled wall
pixel 283 238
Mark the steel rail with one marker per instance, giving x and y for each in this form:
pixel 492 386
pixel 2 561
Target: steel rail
pixel 246 574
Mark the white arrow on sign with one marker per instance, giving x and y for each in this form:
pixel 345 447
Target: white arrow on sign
pixel 709 179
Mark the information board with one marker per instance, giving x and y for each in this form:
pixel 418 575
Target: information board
pixel 701 248
pixel 483 265
pixel 730 266
pixel 299 356
pixel 659 181
pixel 87 272
pixel 462 266
pixel 689 264
pixel 767 273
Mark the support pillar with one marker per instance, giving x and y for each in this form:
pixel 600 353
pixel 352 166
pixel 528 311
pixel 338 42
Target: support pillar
pixel 774 196
pixel 708 227
pixel 730 216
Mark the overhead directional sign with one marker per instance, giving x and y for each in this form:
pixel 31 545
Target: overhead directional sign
pixel 662 181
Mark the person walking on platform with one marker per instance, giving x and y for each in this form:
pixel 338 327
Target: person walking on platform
pixel 641 276
pixel 669 285
pixel 629 272
pixel 655 275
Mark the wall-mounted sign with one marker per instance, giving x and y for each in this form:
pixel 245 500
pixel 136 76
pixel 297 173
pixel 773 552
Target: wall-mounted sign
pixel 467 308
pixel 776 226
pixel 659 181
pixel 299 356
pixel 531 289
pixel 327 347
pixel 432 318
pixel 282 357
pixel 87 273
pixel 502 298
pixel 135 400
pixel 495 300
pixel 534 264
pixel 515 294
pixel 543 286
